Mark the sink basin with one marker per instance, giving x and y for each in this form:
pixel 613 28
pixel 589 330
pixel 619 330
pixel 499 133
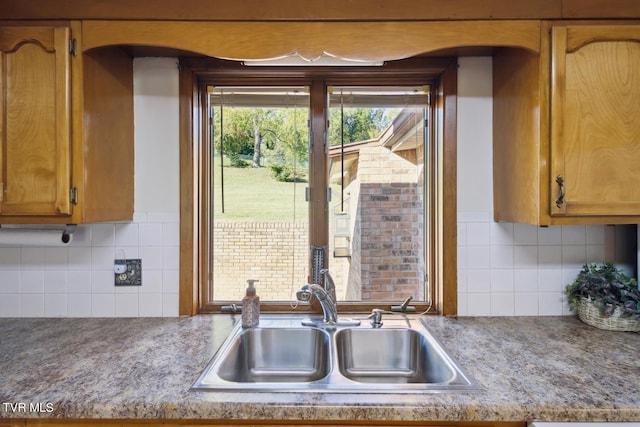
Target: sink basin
pixel 390 356
pixel 281 355
pixel 276 355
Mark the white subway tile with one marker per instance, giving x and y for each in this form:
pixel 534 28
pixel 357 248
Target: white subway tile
pixel 170 281
pixel 103 234
pixel 574 256
pixel 551 235
pixel 79 258
pixel 150 305
pixel 79 305
pixel 478 281
pixel 102 257
pixel 32 305
pixel 171 234
pixel 103 305
pixel 502 304
pixel 595 253
pixel 9 259
pixel 595 234
pixel 81 237
pixel 462 234
pixel 549 257
pixel 9 282
pixel 462 281
pixel 126 305
pixel 32 282
pixel 151 257
pixel 525 280
pixel 574 235
pixel 151 281
pixel 170 257
pixel 478 304
pixel 502 280
pixel 55 282
pixel 478 234
pixel 150 234
pixel 525 234
pixel 79 281
pixel 550 304
pixel 56 258
pixel 469 216
pixel 462 304
pixel 119 290
pixel 501 257
pixel 170 305
pixel 478 257
pixel 462 257
pixel 526 303
pixel 550 280
pixel 139 217
pixel 102 282
pixel 31 258
pixel 525 257
pixel 502 233
pixel 163 217
pixel 10 305
pixel 126 234
pixel 55 305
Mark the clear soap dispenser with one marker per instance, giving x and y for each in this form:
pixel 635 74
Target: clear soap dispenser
pixel 250 306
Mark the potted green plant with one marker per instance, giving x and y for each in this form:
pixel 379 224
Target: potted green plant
pixel 606 298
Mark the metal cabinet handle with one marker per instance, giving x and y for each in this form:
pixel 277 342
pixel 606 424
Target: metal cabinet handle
pixel 560 181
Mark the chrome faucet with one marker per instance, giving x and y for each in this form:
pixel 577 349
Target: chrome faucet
pixel 326 295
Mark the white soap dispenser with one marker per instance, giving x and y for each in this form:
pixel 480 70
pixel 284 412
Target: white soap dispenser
pixel 250 306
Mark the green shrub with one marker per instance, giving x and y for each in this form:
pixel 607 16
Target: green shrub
pixel 284 173
pixel 238 162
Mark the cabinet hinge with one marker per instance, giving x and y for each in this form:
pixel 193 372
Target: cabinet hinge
pixel 1 192
pixel 73 47
pixel 73 195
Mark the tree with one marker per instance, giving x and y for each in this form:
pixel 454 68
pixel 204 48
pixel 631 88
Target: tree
pixel 249 131
pixel 359 124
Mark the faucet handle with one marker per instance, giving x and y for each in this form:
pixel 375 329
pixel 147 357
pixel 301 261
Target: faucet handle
pixel 376 317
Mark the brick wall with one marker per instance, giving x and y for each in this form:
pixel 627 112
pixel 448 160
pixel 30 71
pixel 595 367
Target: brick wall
pixel 391 222
pixel 276 253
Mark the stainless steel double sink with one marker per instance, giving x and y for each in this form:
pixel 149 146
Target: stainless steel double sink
pixel 401 356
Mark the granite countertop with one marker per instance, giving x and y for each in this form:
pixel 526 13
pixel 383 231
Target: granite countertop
pixel 530 368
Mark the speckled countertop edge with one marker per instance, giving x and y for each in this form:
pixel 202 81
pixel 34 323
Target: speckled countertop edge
pixel 531 368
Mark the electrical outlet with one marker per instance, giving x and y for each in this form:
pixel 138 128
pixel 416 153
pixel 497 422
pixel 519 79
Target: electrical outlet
pixel 132 274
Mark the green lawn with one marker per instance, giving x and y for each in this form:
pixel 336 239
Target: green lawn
pixel 253 194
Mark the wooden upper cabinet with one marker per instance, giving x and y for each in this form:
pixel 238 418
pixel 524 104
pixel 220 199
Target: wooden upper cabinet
pixel 35 140
pixel 66 127
pixel 566 133
pixel 595 124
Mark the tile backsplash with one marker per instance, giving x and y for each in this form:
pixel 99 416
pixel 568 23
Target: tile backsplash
pixel 78 280
pixel 509 269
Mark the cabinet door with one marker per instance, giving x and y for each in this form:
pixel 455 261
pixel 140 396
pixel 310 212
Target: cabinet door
pixel 595 124
pixel 35 138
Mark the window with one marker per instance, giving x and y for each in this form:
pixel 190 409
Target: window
pixel 435 257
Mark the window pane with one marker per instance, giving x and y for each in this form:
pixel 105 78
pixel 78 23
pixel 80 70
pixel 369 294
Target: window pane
pixel 259 213
pixel 376 172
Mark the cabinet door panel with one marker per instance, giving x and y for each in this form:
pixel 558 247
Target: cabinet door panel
pixel 595 131
pixel 35 166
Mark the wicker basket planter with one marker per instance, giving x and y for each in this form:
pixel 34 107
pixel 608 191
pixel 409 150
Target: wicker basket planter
pixel 589 313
